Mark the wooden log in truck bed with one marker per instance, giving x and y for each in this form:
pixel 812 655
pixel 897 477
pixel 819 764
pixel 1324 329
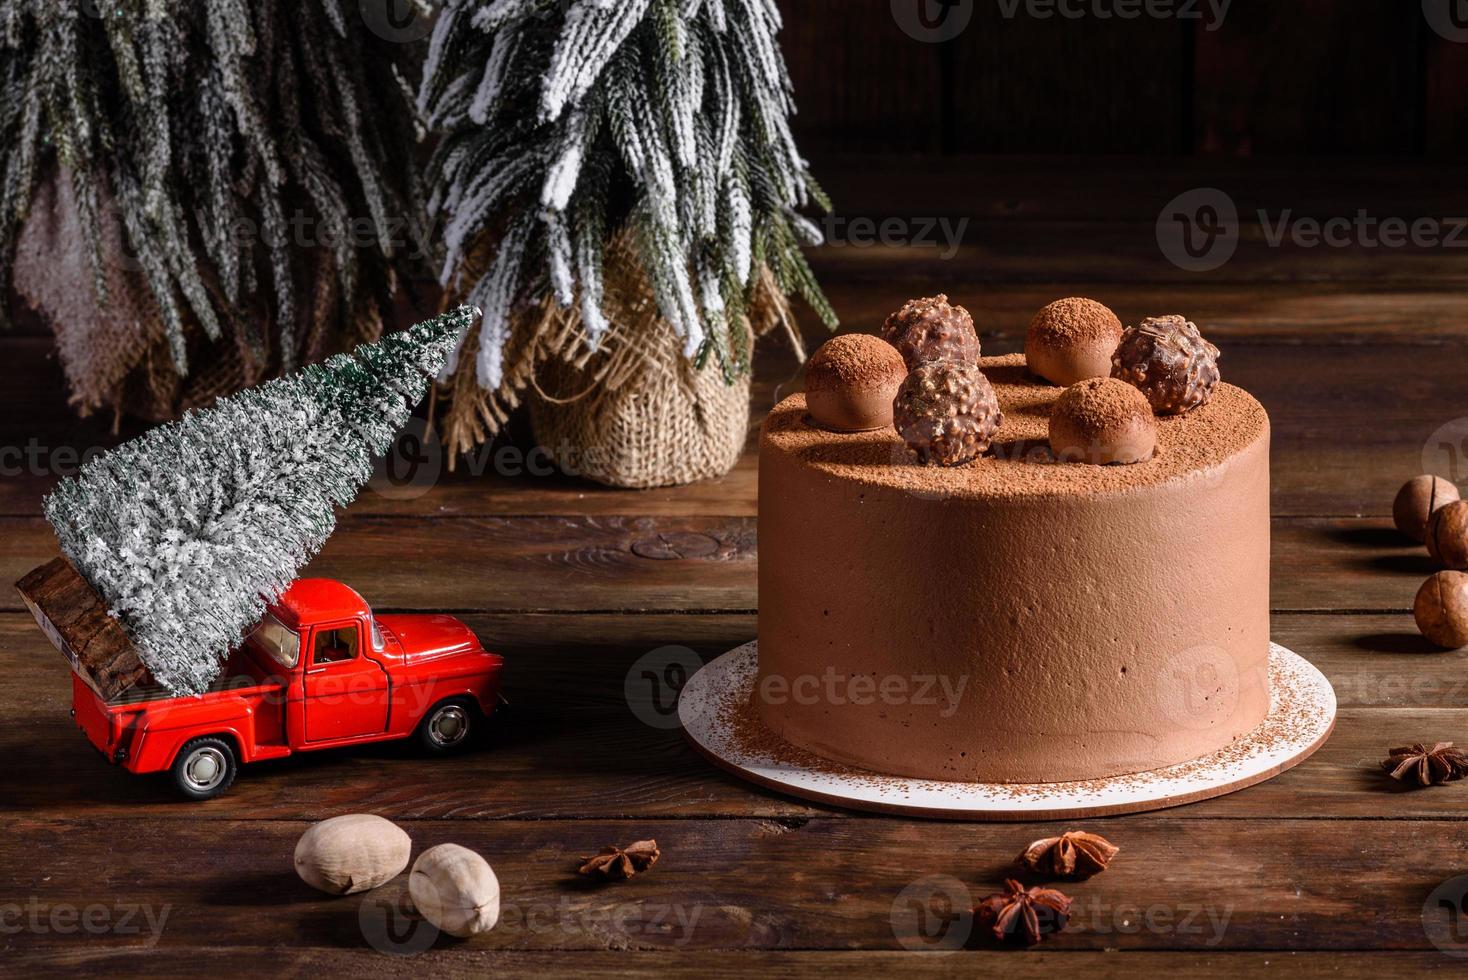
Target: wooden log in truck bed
pixel 74 617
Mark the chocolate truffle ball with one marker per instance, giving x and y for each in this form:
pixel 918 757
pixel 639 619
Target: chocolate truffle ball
pixel 851 381
pixel 1168 359
pixel 930 329
pixel 1441 609
pixel 1102 420
pixel 1447 535
pixel 1072 340
pixel 946 412
pixel 1416 501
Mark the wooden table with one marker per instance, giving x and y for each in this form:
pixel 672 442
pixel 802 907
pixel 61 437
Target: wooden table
pixel 1359 354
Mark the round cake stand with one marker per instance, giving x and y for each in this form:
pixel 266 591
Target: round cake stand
pixel 1301 716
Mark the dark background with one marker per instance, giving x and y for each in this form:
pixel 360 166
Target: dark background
pixel 1278 78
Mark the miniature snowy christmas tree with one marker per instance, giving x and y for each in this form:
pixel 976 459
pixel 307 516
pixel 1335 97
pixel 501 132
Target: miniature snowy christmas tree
pixel 188 531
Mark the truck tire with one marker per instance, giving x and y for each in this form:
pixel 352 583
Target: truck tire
pixel 448 725
pixel 205 767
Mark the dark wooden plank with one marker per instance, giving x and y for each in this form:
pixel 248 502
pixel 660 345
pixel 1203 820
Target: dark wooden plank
pixel 572 745
pixel 646 564
pixel 1445 58
pixel 752 884
pixel 1288 78
pixel 469 959
pixel 1030 79
pixel 1129 187
pixel 1279 250
pixel 860 83
pixel 1344 441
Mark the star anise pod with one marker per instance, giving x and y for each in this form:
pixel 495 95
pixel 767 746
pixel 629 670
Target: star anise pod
pixel 1074 854
pixel 1417 763
pixel 622 862
pixel 1024 915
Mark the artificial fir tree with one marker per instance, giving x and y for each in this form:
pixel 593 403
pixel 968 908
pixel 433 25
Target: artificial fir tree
pixel 187 531
pixel 603 158
pixel 198 195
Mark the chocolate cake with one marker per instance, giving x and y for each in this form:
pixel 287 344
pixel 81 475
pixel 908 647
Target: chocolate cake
pixel 1016 618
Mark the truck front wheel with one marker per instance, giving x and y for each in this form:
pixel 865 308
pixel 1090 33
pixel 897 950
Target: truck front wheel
pixel 205 767
pixel 448 726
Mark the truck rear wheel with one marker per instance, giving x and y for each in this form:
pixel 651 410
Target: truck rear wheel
pixel 448 726
pixel 205 767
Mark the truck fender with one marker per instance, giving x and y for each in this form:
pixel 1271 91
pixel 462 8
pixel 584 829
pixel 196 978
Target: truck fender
pixel 165 731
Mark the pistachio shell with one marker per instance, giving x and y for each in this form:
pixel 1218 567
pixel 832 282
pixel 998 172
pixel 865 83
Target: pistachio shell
pixel 352 853
pixel 456 890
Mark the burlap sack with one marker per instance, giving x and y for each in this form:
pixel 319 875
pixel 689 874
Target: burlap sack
pixel 635 413
pixel 673 424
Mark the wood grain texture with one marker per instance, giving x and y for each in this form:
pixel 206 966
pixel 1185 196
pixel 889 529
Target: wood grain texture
pixel 843 883
pixel 1057 83
pixel 466 960
pixel 1323 871
pixel 1310 76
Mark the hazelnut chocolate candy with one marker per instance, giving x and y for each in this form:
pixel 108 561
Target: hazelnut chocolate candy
pixel 946 412
pixel 1447 535
pixel 851 381
pixel 1072 340
pixel 1100 421
pixel 1169 361
pixel 1441 609
pixel 930 329
pixel 1416 502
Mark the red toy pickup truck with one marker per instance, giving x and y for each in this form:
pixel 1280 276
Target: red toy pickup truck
pixel 319 671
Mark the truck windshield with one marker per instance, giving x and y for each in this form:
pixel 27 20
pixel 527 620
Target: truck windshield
pixel 277 640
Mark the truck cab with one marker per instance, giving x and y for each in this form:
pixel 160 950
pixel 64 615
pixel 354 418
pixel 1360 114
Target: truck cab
pixel 319 671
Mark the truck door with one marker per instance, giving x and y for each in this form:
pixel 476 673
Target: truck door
pixel 346 693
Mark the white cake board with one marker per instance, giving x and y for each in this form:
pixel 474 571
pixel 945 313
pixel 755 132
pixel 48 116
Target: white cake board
pixel 1301 716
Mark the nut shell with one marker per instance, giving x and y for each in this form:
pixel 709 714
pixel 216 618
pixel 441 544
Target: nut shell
pixel 1169 361
pixel 456 890
pixel 930 329
pixel 1447 535
pixel 352 853
pixel 851 381
pixel 1071 340
pixel 946 412
pixel 1100 421
pixel 1416 502
pixel 1441 610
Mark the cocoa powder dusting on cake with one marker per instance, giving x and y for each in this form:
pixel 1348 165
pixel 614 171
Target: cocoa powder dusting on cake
pixel 1019 463
pixel 854 361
